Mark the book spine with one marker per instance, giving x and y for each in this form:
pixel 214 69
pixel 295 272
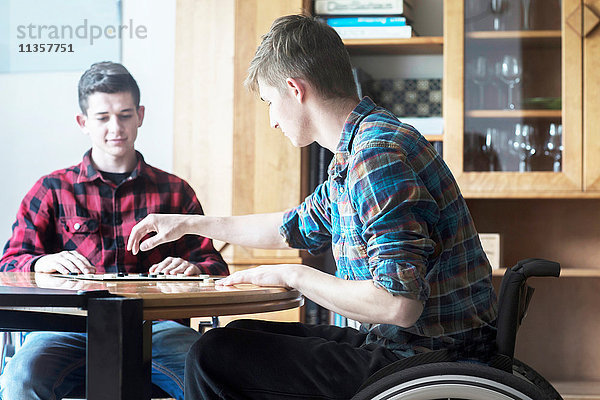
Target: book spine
pixel 366 21
pixel 374 32
pixel 357 7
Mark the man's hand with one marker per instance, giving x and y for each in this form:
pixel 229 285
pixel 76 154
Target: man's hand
pixel 168 228
pixel 63 263
pixel 174 266
pixel 281 275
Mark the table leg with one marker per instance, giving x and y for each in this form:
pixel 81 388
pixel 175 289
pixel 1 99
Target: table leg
pixel 119 350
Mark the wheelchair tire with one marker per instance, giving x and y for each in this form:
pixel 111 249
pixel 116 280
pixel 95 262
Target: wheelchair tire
pixel 525 371
pixel 451 380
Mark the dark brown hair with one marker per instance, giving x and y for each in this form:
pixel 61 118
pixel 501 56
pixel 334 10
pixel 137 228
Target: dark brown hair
pixel 106 77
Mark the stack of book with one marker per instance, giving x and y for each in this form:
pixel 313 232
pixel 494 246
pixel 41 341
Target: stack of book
pixel 367 19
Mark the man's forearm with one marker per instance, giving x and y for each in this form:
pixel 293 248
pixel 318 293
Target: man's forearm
pixel 358 300
pixel 254 230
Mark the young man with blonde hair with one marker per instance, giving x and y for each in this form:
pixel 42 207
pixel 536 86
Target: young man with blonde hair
pixel 410 266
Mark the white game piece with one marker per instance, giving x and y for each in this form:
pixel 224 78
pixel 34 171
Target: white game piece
pixel 207 282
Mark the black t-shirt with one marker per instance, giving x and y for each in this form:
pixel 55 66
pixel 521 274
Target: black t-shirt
pixel 115 177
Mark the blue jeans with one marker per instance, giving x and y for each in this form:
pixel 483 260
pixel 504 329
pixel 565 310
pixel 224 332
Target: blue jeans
pixel 51 364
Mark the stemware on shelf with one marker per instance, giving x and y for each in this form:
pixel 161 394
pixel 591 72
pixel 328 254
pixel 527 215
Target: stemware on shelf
pixel 553 146
pixel 480 76
pixel 489 149
pixel 510 73
pixel 474 10
pixel 520 144
pixel 498 8
pixel 526 8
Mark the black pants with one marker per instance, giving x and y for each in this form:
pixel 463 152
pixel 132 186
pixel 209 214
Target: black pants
pixel 252 359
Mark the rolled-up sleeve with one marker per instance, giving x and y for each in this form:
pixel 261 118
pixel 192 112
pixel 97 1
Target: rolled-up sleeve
pixel 308 226
pixel 397 214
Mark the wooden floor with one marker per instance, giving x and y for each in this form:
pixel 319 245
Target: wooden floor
pixel 578 390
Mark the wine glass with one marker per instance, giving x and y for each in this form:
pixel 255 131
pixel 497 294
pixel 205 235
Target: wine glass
pixel 498 8
pixel 480 77
pixel 510 73
pixel 499 85
pixel 526 7
pixel 473 13
pixel 553 146
pixel 520 144
pixel 489 148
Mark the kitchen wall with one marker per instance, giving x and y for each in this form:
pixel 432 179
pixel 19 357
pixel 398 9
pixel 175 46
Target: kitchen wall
pixel 38 132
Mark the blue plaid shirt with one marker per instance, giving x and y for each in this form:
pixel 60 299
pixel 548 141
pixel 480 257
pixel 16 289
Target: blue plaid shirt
pixel 393 213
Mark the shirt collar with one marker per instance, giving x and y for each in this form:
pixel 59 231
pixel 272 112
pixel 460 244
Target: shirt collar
pixel 364 108
pixel 337 168
pixel 88 173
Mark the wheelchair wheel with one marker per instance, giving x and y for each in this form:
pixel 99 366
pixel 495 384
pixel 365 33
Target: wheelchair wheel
pixel 451 380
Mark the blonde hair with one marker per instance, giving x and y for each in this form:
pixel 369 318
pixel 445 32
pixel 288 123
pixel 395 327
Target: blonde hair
pixel 299 46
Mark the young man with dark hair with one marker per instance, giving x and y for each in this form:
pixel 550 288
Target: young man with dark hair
pixel 77 219
pixel 410 266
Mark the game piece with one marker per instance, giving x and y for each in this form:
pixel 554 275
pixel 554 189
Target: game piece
pixel 143 276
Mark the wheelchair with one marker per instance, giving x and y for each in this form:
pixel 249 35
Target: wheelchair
pixel 443 374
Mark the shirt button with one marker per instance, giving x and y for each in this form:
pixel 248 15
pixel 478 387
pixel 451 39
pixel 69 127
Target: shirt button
pixel 77 226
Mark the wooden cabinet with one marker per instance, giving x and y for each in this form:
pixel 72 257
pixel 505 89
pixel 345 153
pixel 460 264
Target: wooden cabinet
pixel 542 197
pixel 591 100
pixel 514 88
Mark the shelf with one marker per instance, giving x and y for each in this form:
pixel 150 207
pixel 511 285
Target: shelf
pixel 526 39
pixel 514 114
pixel 564 273
pixel 521 35
pixel 578 390
pixel 434 138
pixel 409 46
pixel 528 194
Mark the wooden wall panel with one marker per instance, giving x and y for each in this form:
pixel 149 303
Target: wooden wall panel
pixel 203 108
pixel 591 83
pixel 267 167
pixel 223 144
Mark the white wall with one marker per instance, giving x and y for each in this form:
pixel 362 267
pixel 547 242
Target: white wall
pixel 38 133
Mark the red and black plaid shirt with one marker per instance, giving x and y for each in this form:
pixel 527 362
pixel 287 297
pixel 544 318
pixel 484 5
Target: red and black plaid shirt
pixel 77 209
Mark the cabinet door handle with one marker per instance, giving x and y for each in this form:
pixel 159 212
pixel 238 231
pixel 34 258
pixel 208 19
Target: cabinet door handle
pixel 589 23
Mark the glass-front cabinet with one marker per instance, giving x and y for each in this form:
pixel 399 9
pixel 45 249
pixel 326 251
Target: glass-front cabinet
pixel 514 97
